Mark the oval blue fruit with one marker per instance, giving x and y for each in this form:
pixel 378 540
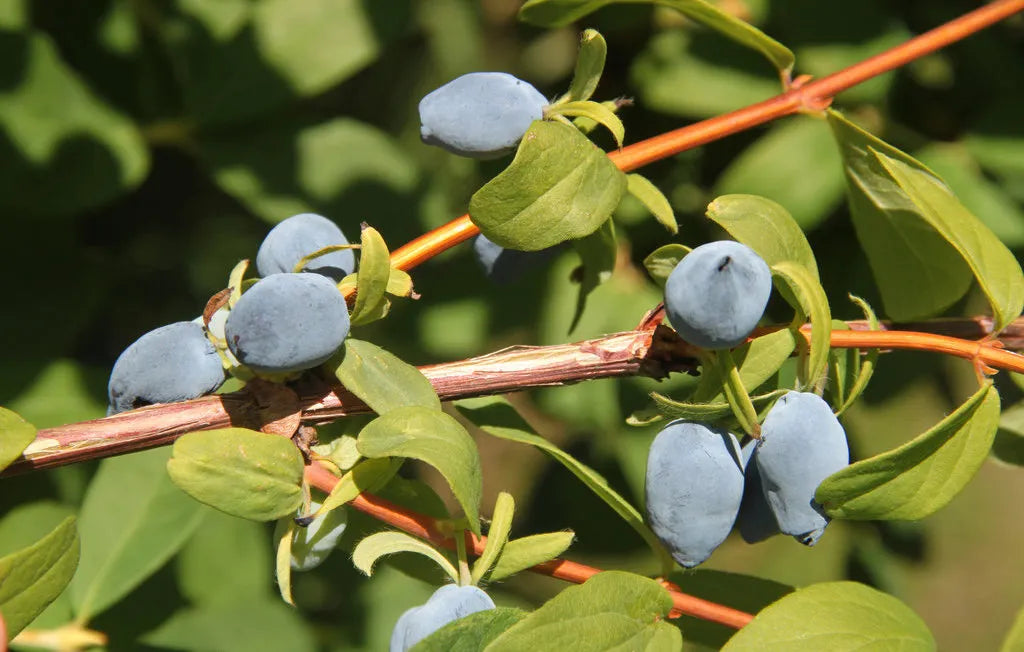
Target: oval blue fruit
pixel 297 237
pixel 503 265
pixel 717 293
pixel 287 322
pixel 756 522
pixel 693 488
pixel 447 604
pixel 802 443
pixel 481 115
pixel 171 363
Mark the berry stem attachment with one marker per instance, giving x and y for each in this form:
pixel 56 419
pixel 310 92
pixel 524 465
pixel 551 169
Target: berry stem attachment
pixel 736 394
pixel 465 576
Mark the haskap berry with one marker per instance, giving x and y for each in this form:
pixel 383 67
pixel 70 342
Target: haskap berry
pixel 299 236
pixel 171 363
pixel 287 322
pixel 447 604
pixel 756 522
pixel 693 488
pixel 802 443
pixel 480 115
pixel 503 265
pixel 717 293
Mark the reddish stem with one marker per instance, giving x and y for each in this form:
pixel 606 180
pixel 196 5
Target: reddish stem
pixel 811 96
pixel 424 527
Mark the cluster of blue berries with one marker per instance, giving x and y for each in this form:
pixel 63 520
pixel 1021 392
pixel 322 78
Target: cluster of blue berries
pixel 287 321
pixel 699 482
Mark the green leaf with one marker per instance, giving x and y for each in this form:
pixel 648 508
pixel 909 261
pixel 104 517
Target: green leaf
pixel 15 435
pixel 705 411
pixel 589 65
pixel 372 278
pixel 55 127
pixel 1014 641
pixel 864 366
pixel 399 283
pixel 993 265
pixel 433 437
pixel 235 281
pixel 132 521
pixel 557 13
pixel 252 625
pixel 284 536
pixel 242 472
pixel 380 544
pixel 611 610
pixel 918 272
pixel 810 301
pixel 497 535
pixel 595 111
pixel 383 381
pixel 33 577
pixel 660 262
pixel 526 552
pixel 368 475
pixel 1008 445
pixel 496 416
pixel 471 633
pixel 655 201
pixel 921 476
pixel 225 560
pixel 757 361
pixel 764 226
pixel 834 616
pixel 598 252
pixel 560 186
pixel 795 164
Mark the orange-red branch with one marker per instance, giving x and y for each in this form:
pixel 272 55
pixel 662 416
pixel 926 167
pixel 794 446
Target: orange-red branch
pixel 811 96
pixel 424 527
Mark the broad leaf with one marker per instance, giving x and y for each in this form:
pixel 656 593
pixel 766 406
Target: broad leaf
pixel 380 544
pixel 764 226
pixel 610 609
pixel 559 187
pixel 497 417
pixel 660 262
pixel 557 13
pixel 918 272
pixel 132 521
pixel 242 472
pixel 655 201
pixel 589 65
pixel 921 476
pixel 433 437
pixel 32 578
pixel 993 265
pixel 15 435
pixel 526 552
pixel 383 381
pixel 246 626
pixel 835 616
pixel 471 633
pixel 810 301
pixel 372 278
pixel 225 560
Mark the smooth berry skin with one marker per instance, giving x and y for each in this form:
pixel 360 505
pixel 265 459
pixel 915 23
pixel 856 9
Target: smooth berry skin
pixel 481 115
pixel 287 323
pixel 504 266
pixel 802 443
pixel 756 522
pixel 312 544
pixel 298 236
pixel 693 488
pixel 447 604
pixel 717 293
pixel 171 363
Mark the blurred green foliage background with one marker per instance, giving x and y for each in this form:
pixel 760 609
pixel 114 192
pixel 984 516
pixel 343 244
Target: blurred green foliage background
pixel 148 145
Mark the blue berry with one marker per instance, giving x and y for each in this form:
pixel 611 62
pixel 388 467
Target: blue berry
pixel 171 363
pixel 717 293
pixel 801 444
pixel 503 265
pixel 481 115
pixel 447 604
pixel 694 486
pixel 756 522
pixel 297 237
pixel 287 322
